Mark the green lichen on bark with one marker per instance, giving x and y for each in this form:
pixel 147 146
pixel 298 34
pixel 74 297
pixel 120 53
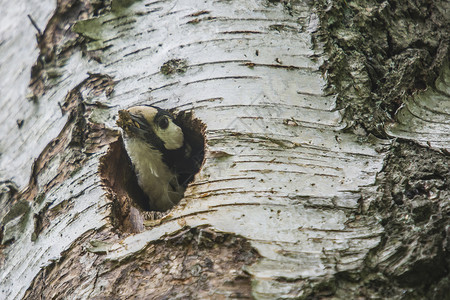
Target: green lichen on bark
pixel 174 66
pixel 14 222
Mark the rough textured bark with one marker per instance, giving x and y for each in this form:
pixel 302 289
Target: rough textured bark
pixel 326 167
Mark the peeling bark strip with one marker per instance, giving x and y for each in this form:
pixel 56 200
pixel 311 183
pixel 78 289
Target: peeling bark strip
pixel 77 138
pixel 56 44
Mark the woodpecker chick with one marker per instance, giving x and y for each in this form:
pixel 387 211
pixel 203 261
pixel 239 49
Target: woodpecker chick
pixel 159 152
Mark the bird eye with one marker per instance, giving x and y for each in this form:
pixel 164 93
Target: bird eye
pixel 163 123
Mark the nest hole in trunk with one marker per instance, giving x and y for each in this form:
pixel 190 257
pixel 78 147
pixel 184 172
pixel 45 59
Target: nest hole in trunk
pixel 119 177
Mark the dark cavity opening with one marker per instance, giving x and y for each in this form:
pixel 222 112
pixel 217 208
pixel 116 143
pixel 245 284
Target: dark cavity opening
pixel 194 133
pixel 120 179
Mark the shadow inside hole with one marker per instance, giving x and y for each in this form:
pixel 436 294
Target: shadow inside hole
pixel 118 174
pixel 194 135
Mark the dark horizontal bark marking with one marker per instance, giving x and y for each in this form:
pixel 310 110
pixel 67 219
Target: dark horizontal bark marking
pixel 247 20
pixel 234 20
pixel 207 63
pixel 270 204
pixel 200 212
pixel 163 86
pixel 264 171
pixel 214 41
pixel 330 207
pixel 159 101
pixel 137 51
pixel 125 23
pixel 271 106
pixel 222 191
pixel 304 124
pixel 223 78
pixel 221 180
pixel 237 204
pixel 288 163
pixel 368 236
pixel 155 2
pixel 114 19
pixel 147 12
pixel 199 13
pixel 209 100
pixel 191 105
pixel 125 30
pixel 148 76
pixel 337 154
pixel 310 94
pixel 233 191
pixel 308 54
pixel 290 67
pixel 326 175
pixel 219 62
pixel 114 38
pixel 325 230
pixel 242 32
pixel 114 54
pixel 290 156
pixel 171 13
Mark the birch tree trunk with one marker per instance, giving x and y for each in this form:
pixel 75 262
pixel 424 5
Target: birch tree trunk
pixel 326 130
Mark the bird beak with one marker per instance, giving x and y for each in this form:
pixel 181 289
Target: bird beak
pixel 130 123
pixel 125 121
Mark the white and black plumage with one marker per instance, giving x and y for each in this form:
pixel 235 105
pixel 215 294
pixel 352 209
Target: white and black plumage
pixel 159 152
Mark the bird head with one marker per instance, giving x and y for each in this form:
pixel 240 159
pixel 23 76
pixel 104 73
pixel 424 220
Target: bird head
pixel 153 125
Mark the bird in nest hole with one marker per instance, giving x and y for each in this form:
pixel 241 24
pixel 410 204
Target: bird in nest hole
pixel 162 157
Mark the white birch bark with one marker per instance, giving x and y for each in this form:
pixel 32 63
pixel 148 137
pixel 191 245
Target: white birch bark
pixel 278 171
